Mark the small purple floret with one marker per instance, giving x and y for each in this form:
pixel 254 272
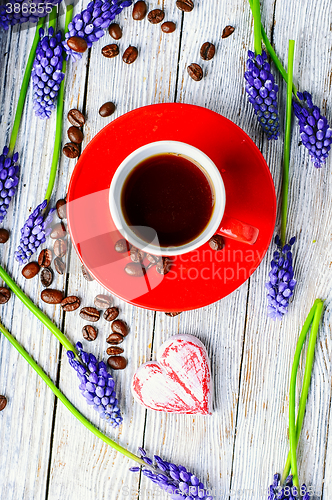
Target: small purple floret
pixel 287 491
pixel 8 180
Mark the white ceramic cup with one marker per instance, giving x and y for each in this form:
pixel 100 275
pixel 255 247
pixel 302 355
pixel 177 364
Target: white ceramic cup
pixel 217 224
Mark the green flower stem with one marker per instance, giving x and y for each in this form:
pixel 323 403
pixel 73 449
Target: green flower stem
pixel 53 18
pixel 65 401
pixel 314 317
pixel 24 88
pixel 59 119
pixel 285 179
pixel 256 12
pixel 36 311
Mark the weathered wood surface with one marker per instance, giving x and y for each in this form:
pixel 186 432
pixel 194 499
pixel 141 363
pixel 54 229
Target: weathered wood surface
pixel 45 453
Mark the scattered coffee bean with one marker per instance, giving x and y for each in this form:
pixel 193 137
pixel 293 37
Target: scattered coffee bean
pixel 114 351
pixel 59 265
pixel 110 51
pixel 77 44
pixel 136 255
pixel 115 31
pixel 217 242
pixel 70 303
pixel 119 326
pixel 46 277
pixel 133 269
pixel 75 134
pixel 30 270
pixel 71 150
pixel 115 338
pixel 185 5
pixel 111 313
pixel 172 314
pixel 164 265
pixel 207 51
pixel 168 27
pixel 4 295
pixel 130 55
pixel 139 11
pixel 153 259
pixel 117 362
pixel 228 30
pixel 103 301
pixel 45 258
pixel 60 248
pixel 58 231
pixel 51 296
pixel 3 402
pixel 122 246
pixel 4 235
pixel 76 118
pixel 156 16
pixel 107 109
pixel 195 72
pixel 61 208
pixel 90 314
pixel 86 274
pixel 89 332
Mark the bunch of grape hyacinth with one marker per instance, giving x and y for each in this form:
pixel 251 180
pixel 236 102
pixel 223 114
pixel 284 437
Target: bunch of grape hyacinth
pixel 23 11
pixel 281 283
pixel 287 491
pixel 174 479
pixel 97 385
pixel 47 72
pixel 315 132
pixel 91 22
pixel 34 233
pixel 262 93
pixel 8 180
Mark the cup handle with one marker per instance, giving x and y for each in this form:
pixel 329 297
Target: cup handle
pixel 237 230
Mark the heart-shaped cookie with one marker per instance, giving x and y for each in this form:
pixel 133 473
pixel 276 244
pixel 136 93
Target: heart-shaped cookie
pixel 179 381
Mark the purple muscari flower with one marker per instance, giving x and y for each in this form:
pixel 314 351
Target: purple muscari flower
pixel 8 180
pixel 286 491
pixel 262 93
pixel 34 233
pixel 97 385
pixel 174 479
pixel 47 72
pixel 23 11
pixel 91 22
pixel 315 132
pixel 281 283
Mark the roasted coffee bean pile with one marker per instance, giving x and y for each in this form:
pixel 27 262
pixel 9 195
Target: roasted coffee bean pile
pixel 137 267
pixel 72 149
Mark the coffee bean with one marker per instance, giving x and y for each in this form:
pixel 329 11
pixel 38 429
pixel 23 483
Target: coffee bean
pixel 185 5
pixel 117 362
pixel 103 301
pixel 139 11
pixel 89 332
pixel 45 258
pixel 71 150
pixel 46 277
pixel 61 208
pixel 228 30
pixel 76 118
pixel 119 326
pixel 172 314
pixel 110 51
pixel 30 270
pixel 164 265
pixel 153 259
pixel 217 242
pixel 136 255
pixel 3 402
pixel 207 51
pixel 75 134
pixel 122 246
pixel 59 265
pixel 107 109
pixel 51 296
pixel 134 269
pixel 195 72
pixel 4 235
pixel 86 274
pixel 60 248
pixel 156 16
pixel 115 338
pixel 70 303
pixel 4 295
pixel 111 313
pixel 168 27
pixel 90 314
pixel 130 55
pixel 115 31
pixel 58 231
pixel 114 351
pixel 77 44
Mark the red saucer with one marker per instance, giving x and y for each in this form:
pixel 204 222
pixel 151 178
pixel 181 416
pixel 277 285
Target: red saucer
pixel 200 277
